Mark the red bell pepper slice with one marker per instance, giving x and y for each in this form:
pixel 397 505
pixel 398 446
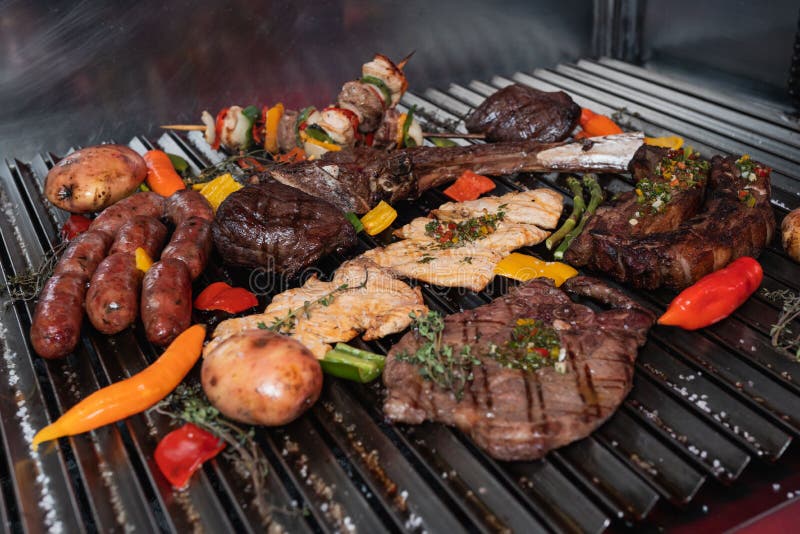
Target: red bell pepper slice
pixel 221 296
pixel 469 186
pixel 218 127
pixel 181 452
pixel 74 226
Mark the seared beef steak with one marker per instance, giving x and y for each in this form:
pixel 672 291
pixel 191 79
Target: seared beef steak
pixel 687 239
pixel 519 112
pixel 279 227
pixel 516 414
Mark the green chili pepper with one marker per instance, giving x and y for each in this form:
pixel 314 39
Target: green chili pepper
pixel 352 364
pixel 315 131
pixel 354 220
pixel 303 117
pixel 181 166
pixel 377 82
pixel 251 113
pixel 407 141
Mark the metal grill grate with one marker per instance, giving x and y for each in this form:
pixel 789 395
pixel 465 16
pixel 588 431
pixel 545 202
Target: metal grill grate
pixel 706 406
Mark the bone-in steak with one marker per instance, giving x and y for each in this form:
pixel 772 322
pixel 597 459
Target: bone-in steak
pixel 697 231
pixel 516 414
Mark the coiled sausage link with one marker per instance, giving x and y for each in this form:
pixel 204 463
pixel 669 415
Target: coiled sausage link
pixel 142 203
pixel 57 320
pixel 191 244
pixel 112 302
pixel 141 231
pixel 187 203
pixel 84 254
pixel 166 301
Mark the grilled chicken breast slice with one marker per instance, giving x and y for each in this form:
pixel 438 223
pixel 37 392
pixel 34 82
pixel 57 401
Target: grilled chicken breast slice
pixel 361 298
pixel 471 264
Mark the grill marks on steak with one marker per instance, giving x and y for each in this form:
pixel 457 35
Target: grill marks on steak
pixel 679 250
pixel 279 227
pixel 518 415
pixel 519 112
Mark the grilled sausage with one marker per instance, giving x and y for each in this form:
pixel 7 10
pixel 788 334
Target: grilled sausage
pixel 57 320
pixel 191 244
pixel 166 301
pixel 84 254
pixel 187 203
pixel 114 216
pixel 112 301
pixel 141 231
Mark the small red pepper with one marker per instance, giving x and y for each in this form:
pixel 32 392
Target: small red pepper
pixel 218 127
pixel 181 452
pixel 469 186
pixel 221 296
pixel 74 226
pixel 715 296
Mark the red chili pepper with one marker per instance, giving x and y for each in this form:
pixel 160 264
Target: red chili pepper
pixel 181 452
pixel 221 296
pixel 218 127
pixel 75 225
pixel 544 353
pixel 715 296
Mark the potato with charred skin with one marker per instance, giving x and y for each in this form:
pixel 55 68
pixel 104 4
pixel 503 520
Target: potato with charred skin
pixel 261 378
pixel 95 177
pixel 790 234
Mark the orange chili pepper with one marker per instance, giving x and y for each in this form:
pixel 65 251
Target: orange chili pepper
pixel 161 175
pixel 469 186
pixel 132 395
pixel 600 125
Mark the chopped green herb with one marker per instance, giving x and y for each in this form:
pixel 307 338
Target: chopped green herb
pixel 679 170
pixel 441 364
pixel 532 346
pixel 452 234
pixel 426 259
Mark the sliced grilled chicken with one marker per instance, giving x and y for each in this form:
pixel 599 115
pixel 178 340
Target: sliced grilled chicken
pixel 424 255
pixel 361 297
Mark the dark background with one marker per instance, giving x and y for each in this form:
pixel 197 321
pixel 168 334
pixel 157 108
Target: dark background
pixel 78 73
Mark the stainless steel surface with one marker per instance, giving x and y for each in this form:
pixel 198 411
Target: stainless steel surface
pixel 710 410
pixel 722 44
pixel 83 72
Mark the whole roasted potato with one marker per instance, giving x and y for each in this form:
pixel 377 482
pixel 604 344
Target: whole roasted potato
pixel 261 378
pixel 93 178
pixel 790 234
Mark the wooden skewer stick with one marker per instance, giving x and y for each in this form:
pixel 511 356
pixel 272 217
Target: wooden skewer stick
pixel 445 135
pixel 403 61
pixel 454 135
pixel 185 127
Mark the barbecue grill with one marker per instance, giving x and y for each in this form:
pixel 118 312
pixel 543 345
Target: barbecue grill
pixel 704 439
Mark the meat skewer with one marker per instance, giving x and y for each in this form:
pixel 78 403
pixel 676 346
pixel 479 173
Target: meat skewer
pixel 440 135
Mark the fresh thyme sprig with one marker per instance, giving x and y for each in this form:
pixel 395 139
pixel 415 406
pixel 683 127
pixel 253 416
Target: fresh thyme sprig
pixel 439 363
pixel 285 324
pixel 189 405
pixel 229 165
pixel 781 333
pixel 28 285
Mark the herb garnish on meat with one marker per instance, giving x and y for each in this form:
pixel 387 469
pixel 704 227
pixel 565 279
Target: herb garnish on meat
pixel 532 346
pixel 441 364
pixel 679 170
pixel 452 234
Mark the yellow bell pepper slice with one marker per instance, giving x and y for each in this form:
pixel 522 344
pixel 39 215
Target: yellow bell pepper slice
pixel 523 267
pixel 671 141
pixel 219 188
pixel 330 147
pixel 143 259
pixel 398 138
pixel 271 123
pixel 378 218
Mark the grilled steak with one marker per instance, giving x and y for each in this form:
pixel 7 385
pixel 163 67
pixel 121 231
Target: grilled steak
pixel 691 236
pixel 279 227
pixel 519 112
pixel 516 414
pixel 356 180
